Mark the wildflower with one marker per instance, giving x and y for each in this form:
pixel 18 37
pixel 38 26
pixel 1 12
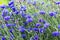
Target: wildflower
pixel 57 2
pixel 36 37
pixel 34 3
pixel 7 18
pixel 10 3
pixel 16 12
pixel 42 12
pixel 3 6
pixel 11 30
pixel 3 38
pixel 38 24
pixel 23 35
pixel 52 14
pixel 59 26
pixel 55 33
pixel 46 25
pixel 28 16
pixel 29 29
pixel 13 9
pixel 21 29
pixel 4 12
pixel 35 29
pixel 29 20
pixel 23 8
pixel 8 25
pixel 41 30
pixel 42 3
pixel 42 20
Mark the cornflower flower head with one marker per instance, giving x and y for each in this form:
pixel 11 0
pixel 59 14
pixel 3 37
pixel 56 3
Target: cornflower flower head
pixel 7 18
pixel 38 24
pixel 41 30
pixel 28 16
pixel 55 33
pixel 36 29
pixel 42 20
pixel 21 29
pixel 46 25
pixel 59 26
pixel 10 3
pixel 42 12
pixel 57 2
pixel 4 12
pixel 36 37
pixel 3 38
pixel 52 14
pixel 29 20
pixel 23 35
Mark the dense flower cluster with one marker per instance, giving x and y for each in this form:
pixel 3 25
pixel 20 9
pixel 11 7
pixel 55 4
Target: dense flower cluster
pixel 29 23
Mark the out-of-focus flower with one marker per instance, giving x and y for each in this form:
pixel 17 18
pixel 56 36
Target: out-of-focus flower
pixel 55 33
pixel 23 35
pixel 57 2
pixel 41 20
pixel 59 26
pixel 42 12
pixel 35 29
pixel 3 38
pixel 52 14
pixel 29 20
pixel 36 37
pixel 46 25
pixel 4 12
pixel 21 29
pixel 38 24
pixel 41 30
pixel 7 18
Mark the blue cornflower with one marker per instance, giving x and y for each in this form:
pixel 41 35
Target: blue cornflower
pixel 28 16
pixel 3 6
pixel 25 23
pixel 52 14
pixel 59 26
pixel 41 30
pixel 13 9
pixel 21 29
pixel 29 29
pixel 23 35
pixel 34 3
pixel 22 14
pixel 7 18
pixel 29 20
pixel 42 20
pixel 2 26
pixel 8 25
pixel 57 2
pixel 36 37
pixel 4 12
pixel 10 3
pixel 55 33
pixel 35 29
pixel 0 34
pixel 38 24
pixel 46 25
pixel 42 3
pixel 16 12
pixel 11 30
pixel 3 38
pixel 42 12
pixel 23 8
